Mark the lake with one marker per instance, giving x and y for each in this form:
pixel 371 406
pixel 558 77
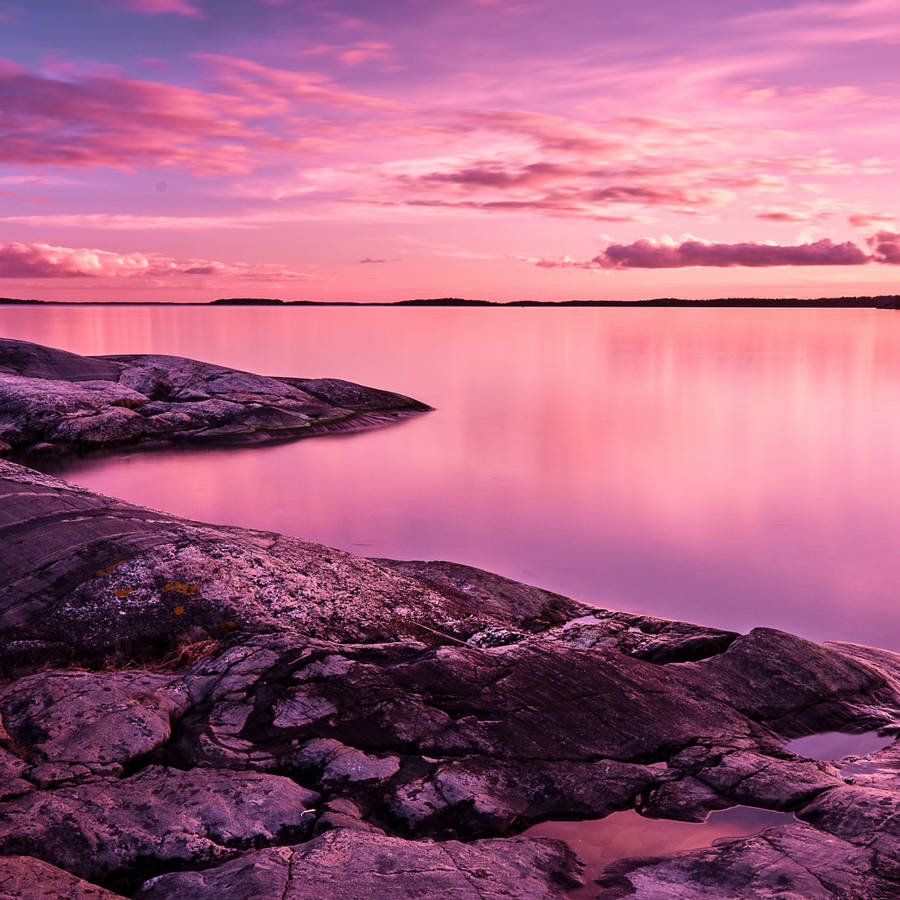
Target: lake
pixel 734 467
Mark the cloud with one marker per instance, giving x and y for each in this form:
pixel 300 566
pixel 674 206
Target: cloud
pixel 885 247
pixel 354 54
pixel 561 206
pixel 39 261
pixel 107 120
pixel 869 220
pixel 783 216
pixel 842 22
pixel 667 254
pixel 157 7
pixel 278 89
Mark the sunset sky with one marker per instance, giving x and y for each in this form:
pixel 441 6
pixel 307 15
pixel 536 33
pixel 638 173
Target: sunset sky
pixel 502 149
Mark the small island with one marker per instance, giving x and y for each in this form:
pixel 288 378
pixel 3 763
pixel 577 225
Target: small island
pixel 53 402
pixel 883 301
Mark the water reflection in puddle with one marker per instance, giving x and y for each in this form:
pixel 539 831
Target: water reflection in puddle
pixel 602 841
pixel 832 745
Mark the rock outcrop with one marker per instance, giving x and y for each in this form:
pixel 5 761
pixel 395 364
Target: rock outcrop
pixel 54 402
pixel 199 711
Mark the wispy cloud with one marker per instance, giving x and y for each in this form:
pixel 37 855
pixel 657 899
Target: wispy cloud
pixel 121 122
pixel 869 220
pixel 158 7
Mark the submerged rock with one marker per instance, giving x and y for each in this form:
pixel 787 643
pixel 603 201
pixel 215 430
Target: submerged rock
pixel 53 402
pixel 196 711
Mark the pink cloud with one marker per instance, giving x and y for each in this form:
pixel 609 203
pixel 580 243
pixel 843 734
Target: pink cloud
pixel 600 204
pixel 791 216
pixel 886 247
pixel 869 220
pixel 651 254
pixel 561 207
pixel 354 54
pixel 105 120
pixel 548 131
pixel 158 7
pixel 279 89
pixel 493 175
pixel 39 261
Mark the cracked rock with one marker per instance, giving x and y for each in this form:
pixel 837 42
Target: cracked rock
pixel 348 864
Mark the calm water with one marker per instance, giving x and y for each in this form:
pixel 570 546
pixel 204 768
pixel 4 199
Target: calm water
pixel 731 467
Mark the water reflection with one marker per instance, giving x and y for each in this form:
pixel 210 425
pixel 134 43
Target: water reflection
pixel 836 745
pixel 733 467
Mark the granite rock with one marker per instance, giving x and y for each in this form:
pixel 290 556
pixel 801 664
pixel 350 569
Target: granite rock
pixel 55 402
pixel 193 710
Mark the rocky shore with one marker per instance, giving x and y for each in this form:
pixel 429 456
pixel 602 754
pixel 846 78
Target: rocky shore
pixel 200 711
pixel 53 402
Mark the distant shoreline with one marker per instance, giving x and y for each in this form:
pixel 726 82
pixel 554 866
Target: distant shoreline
pixel 890 301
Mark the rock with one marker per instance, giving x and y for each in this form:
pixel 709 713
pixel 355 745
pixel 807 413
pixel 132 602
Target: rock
pixel 93 719
pixel 340 766
pixel 791 861
pixel 101 581
pixel 687 800
pixel 865 816
pixel 475 797
pixel 27 878
pixel 397 702
pixel 759 675
pixel 112 830
pixel 53 402
pixel 12 770
pixel 350 864
pixel 644 637
pixel 754 779
pixel 500 600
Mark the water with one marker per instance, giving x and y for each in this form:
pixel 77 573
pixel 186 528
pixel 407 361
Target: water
pixel 628 834
pixel 730 467
pixel 837 745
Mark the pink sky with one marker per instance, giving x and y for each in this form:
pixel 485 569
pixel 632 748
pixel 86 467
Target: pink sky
pixel 504 149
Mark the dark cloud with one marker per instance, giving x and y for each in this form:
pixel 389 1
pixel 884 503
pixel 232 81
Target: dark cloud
pixel 885 247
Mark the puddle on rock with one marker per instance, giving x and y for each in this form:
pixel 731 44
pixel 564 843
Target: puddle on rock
pixel 602 841
pixel 832 745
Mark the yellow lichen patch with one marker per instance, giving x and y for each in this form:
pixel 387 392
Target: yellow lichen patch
pixel 107 569
pixel 180 587
pixel 123 592
pixel 230 624
pixel 179 610
pixel 129 402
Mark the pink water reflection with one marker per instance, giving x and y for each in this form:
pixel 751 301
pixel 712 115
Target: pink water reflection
pixel 733 467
